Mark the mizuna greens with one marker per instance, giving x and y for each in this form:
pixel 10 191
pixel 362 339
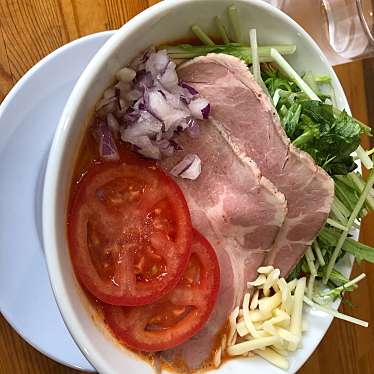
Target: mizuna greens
pixel 306 107
pixel 328 135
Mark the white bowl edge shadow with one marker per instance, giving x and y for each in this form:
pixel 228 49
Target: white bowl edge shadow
pixel 142 31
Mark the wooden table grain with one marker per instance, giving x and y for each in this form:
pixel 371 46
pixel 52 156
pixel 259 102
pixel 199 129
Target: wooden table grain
pixel 31 29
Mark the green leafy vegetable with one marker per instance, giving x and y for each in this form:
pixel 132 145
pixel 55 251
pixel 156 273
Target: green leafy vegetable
pixel 358 250
pixel 242 51
pixel 337 278
pixel 314 126
pixel 291 119
pixel 200 34
pixel 346 286
pixel 274 80
pixel 222 30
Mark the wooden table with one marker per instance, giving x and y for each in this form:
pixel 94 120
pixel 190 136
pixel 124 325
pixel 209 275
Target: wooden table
pixel 31 29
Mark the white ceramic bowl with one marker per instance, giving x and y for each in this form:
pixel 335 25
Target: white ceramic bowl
pixel 166 21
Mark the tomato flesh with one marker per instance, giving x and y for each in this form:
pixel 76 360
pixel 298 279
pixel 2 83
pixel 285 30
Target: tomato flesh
pixel 129 232
pixel 177 316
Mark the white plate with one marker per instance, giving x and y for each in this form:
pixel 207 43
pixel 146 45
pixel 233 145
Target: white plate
pixel 28 119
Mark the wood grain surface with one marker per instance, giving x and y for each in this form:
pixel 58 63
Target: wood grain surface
pixel 31 29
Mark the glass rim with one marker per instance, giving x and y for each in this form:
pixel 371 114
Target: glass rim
pixel 364 24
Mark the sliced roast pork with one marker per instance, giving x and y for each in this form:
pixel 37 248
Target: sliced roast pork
pixel 240 109
pixel 239 211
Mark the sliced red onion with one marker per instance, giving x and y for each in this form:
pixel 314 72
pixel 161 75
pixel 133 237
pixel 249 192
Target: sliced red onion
pixel 126 74
pixel 107 146
pixel 124 88
pixel 166 147
pixel 169 79
pixel 150 106
pixel 146 147
pixel 193 128
pixel 206 111
pixel 113 124
pixel 123 104
pixel 173 98
pixel 104 102
pixel 139 105
pixel 143 80
pixel 138 63
pixel 106 106
pixel 109 93
pixel 188 168
pixel 130 117
pixel 133 95
pixel 157 63
pixel 176 145
pixel 160 107
pixel 199 108
pixel 146 125
pixel 189 88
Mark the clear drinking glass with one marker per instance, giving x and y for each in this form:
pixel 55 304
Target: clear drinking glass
pixel 344 29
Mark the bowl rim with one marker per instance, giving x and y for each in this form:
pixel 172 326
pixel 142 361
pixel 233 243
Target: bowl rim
pixel 55 160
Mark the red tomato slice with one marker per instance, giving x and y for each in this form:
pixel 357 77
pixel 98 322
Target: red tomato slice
pixel 177 316
pixel 130 233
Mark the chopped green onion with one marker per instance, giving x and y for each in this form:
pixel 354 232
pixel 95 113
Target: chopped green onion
pixel 201 35
pixel 337 278
pixel 222 30
pixel 255 63
pixel 235 22
pixel 310 286
pixel 309 259
pixel 335 224
pixel 292 74
pixel 360 184
pixel 318 252
pixel 311 254
pixel 312 279
pixel 359 250
pixel 335 313
pixel 346 195
pixel 341 219
pixel 242 51
pixel 352 218
pixel 346 180
pixel 345 286
pixel 364 158
pixel 255 60
pixel 340 210
pixel 322 79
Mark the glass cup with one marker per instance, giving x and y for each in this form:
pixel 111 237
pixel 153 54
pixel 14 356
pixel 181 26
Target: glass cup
pixel 344 29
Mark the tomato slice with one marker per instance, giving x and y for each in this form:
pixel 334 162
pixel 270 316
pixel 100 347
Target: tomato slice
pixel 177 316
pixel 129 232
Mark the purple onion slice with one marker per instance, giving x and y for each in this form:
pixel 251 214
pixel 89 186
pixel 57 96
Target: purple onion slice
pixel 113 124
pixel 169 79
pixel 149 107
pixel 193 128
pixel 189 88
pixel 157 63
pixel 107 146
pixel 199 108
pixel 188 168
